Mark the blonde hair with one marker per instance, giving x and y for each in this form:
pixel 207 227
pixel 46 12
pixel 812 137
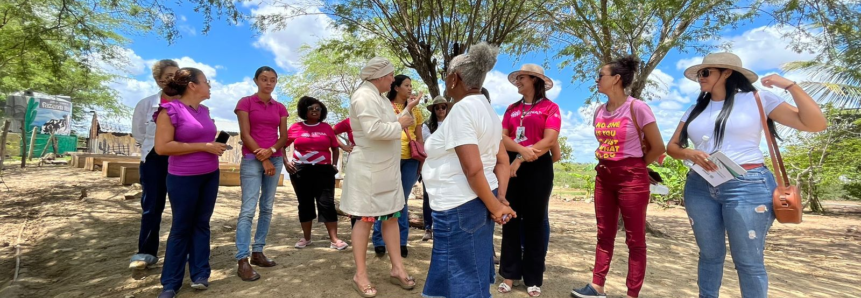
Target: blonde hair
pixel 158 67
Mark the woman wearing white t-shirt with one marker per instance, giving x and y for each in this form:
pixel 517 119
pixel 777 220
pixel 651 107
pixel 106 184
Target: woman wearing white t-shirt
pixel 466 174
pixel 439 109
pixel 726 118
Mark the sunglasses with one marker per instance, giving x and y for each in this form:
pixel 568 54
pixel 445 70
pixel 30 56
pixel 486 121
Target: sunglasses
pixel 705 73
pixel 315 108
pixel 439 108
pixel 600 75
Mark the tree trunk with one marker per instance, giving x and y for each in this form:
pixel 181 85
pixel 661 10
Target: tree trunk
pixel 3 143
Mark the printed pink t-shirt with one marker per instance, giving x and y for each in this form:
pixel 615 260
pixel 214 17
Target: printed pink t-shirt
pixel 344 126
pixel 616 134
pixel 264 119
pixel 312 143
pixel 544 115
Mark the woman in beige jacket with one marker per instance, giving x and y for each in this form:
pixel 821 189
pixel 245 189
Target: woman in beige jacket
pixel 372 189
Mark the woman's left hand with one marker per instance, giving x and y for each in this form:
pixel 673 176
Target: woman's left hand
pixel 514 166
pixel 268 168
pixel 775 80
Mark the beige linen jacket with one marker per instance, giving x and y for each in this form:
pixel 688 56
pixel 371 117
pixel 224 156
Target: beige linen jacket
pixel 372 185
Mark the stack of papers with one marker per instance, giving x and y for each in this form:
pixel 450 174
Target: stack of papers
pixel 727 169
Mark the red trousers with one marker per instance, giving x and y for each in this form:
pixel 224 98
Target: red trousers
pixel 621 187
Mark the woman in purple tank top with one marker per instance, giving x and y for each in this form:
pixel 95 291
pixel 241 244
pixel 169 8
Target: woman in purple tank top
pixel 186 133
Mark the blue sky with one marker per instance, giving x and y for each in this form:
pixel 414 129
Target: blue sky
pixel 229 55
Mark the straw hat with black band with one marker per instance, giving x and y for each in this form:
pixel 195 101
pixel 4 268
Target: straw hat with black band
pixel 720 60
pixel 439 100
pixel 532 70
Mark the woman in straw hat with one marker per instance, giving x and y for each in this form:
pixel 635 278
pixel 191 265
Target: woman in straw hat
pixel 530 128
pixel 624 127
pixel 439 109
pixel 374 164
pixel 466 174
pixel 726 118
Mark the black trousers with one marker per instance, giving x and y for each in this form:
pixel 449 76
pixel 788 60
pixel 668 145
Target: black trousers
pixel 529 195
pixel 315 183
pixel 153 178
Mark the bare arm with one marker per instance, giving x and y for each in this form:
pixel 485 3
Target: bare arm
pixel 806 117
pixel 470 162
pixel 551 137
pixel 502 172
pixel 675 150
pixel 656 143
pixel 556 152
pixel 335 155
pixel 282 135
pixel 245 131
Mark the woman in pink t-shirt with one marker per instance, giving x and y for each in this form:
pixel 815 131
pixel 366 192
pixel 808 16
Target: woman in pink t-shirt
pixel 530 128
pixel 312 170
pixel 263 128
pixel 622 181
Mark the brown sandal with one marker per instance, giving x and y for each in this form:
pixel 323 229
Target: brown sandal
pixel 364 291
pixel 404 285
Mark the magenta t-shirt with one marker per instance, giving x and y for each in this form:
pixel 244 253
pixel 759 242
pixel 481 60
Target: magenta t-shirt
pixel 190 126
pixel 312 143
pixel 544 115
pixel 616 134
pixel 344 126
pixel 264 119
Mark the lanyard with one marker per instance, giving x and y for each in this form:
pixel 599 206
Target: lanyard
pixel 523 114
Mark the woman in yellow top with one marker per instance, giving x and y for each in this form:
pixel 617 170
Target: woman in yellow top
pixel 400 97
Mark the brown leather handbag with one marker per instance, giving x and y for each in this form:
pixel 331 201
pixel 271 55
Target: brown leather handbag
pixel 786 199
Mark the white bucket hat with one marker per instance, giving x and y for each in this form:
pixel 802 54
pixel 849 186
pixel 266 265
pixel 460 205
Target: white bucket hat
pixel 720 60
pixel 533 70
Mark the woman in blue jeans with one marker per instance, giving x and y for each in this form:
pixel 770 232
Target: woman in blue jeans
pixel 726 119
pixel 403 102
pixel 261 121
pixel 185 132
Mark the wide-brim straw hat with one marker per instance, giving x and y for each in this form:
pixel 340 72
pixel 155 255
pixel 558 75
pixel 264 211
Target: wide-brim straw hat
pixel 720 60
pixel 533 70
pixel 439 100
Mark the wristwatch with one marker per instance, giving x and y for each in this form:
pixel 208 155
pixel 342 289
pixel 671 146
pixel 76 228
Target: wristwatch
pixel 520 157
pixel 273 149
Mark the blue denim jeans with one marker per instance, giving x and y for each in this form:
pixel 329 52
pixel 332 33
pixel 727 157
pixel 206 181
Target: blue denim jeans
pixel 462 258
pixel 192 201
pixel 741 209
pixel 258 189
pixel 409 175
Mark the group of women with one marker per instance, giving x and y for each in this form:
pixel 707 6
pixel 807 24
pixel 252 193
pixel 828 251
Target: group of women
pixel 478 171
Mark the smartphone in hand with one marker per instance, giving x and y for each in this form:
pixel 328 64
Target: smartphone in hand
pixel 222 137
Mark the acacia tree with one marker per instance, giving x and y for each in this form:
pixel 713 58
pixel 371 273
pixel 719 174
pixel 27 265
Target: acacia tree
pixel 425 34
pixel 56 46
pixel 592 33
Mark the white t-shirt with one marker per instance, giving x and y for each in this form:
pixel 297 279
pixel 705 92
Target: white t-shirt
pixel 426 133
pixel 471 121
pixel 743 130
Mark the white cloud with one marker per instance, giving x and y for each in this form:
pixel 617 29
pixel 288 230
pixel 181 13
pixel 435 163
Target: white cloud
pixel 188 29
pixel 683 64
pixel 765 48
pixel 285 43
pixel 208 70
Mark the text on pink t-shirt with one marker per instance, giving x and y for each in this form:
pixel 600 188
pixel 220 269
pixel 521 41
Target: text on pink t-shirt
pixel 616 134
pixel 344 126
pixel 544 115
pixel 312 143
pixel 264 119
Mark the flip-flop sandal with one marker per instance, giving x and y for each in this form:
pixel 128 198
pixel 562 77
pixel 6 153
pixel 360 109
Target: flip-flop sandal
pixel 533 289
pixel 503 288
pixel 363 291
pixel 404 285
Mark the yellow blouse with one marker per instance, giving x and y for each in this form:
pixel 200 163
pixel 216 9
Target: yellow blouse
pixel 405 140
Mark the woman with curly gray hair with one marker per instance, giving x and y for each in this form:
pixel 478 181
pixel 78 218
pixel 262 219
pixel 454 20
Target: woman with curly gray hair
pixel 466 175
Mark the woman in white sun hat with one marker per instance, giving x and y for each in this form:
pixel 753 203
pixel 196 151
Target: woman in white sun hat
pixel 530 128
pixel 726 118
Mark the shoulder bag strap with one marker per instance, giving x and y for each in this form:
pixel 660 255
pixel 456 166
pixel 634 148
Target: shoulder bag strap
pixel 640 134
pixel 774 151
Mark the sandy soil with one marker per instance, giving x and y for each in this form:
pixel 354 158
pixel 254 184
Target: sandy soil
pixel 76 247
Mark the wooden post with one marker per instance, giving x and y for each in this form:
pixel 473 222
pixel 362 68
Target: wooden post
pixel 23 143
pixel 47 143
pixel 32 144
pixel 3 143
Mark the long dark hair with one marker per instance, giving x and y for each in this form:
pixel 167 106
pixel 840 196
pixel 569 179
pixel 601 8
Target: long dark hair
pixel 540 93
pixel 399 79
pixel 433 122
pixel 736 83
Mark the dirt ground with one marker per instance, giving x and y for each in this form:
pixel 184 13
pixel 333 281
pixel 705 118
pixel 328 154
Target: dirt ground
pixel 74 247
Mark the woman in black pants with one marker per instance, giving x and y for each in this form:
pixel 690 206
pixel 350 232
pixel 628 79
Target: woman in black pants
pixel 530 128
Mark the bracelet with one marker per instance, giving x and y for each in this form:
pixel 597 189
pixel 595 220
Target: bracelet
pixel 790 86
pixel 273 149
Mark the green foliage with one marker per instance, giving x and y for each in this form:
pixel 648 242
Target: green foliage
pixel 574 175
pixel 592 33
pixel 829 82
pixel 61 46
pixel 674 173
pixel 565 149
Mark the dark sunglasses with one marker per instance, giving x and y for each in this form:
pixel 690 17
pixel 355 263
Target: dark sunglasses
pixel 440 107
pixel 705 73
pixel 315 108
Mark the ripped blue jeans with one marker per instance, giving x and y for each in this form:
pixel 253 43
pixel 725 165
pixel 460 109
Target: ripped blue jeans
pixel 741 209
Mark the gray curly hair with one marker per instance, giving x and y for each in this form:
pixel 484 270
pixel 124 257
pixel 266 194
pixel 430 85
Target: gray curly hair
pixel 474 65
